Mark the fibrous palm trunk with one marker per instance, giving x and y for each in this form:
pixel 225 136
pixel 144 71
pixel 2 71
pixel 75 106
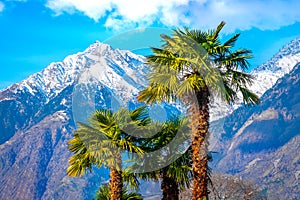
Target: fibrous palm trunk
pixel 169 187
pixel 199 119
pixel 116 181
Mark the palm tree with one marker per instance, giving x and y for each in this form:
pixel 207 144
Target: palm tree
pixel 174 176
pixel 191 66
pixel 103 141
pixel 104 194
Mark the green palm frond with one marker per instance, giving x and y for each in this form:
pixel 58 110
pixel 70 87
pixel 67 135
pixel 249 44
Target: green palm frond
pixel 236 81
pixel 236 59
pixel 240 78
pixel 76 145
pixel 230 95
pixel 249 97
pixel 140 114
pixel 104 194
pixel 189 50
pixel 156 93
pixel 82 158
pixel 102 118
pixel 199 36
pixel 98 143
pixel 79 163
pixel 166 57
pixel 179 69
pixel 179 169
pixel 216 32
pixel 186 87
pixel 190 60
pixel 231 42
pixel 169 80
pixel 169 129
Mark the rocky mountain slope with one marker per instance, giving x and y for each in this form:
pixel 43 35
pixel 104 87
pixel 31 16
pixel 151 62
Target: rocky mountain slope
pixel 263 142
pixel 38 118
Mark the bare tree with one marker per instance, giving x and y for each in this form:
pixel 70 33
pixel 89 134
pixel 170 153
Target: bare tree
pixel 225 187
pixel 228 187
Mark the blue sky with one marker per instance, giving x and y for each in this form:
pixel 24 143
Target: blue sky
pixel 35 33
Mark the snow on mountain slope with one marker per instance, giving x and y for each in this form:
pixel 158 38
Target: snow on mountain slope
pixel 35 127
pixel 115 68
pixel 265 77
pixel 125 73
pixel 282 63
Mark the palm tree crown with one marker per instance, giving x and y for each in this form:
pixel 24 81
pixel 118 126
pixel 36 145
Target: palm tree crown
pixel 191 66
pixel 102 142
pixel 175 175
pixel 192 60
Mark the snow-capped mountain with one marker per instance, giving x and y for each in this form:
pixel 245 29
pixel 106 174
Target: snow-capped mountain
pixel 262 142
pixel 282 63
pixel 265 76
pixel 125 73
pixel 111 67
pixel 37 116
pixel 37 120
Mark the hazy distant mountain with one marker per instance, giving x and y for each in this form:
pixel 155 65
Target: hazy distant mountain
pixel 37 117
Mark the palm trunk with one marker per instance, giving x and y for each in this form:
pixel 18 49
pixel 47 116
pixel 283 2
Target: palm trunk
pixel 169 187
pixel 199 118
pixel 116 181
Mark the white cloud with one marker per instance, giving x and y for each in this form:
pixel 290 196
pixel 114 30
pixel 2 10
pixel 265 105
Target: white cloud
pixel 92 8
pixel 1 6
pixel 239 14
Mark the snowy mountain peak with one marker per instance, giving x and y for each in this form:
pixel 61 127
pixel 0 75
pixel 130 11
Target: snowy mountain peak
pixel 108 65
pixel 266 76
pixel 99 47
pixel 124 73
pixel 282 63
pixel 291 49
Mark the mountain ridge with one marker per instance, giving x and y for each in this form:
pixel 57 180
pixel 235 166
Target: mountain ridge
pixel 37 104
pixel 262 142
pixel 58 75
